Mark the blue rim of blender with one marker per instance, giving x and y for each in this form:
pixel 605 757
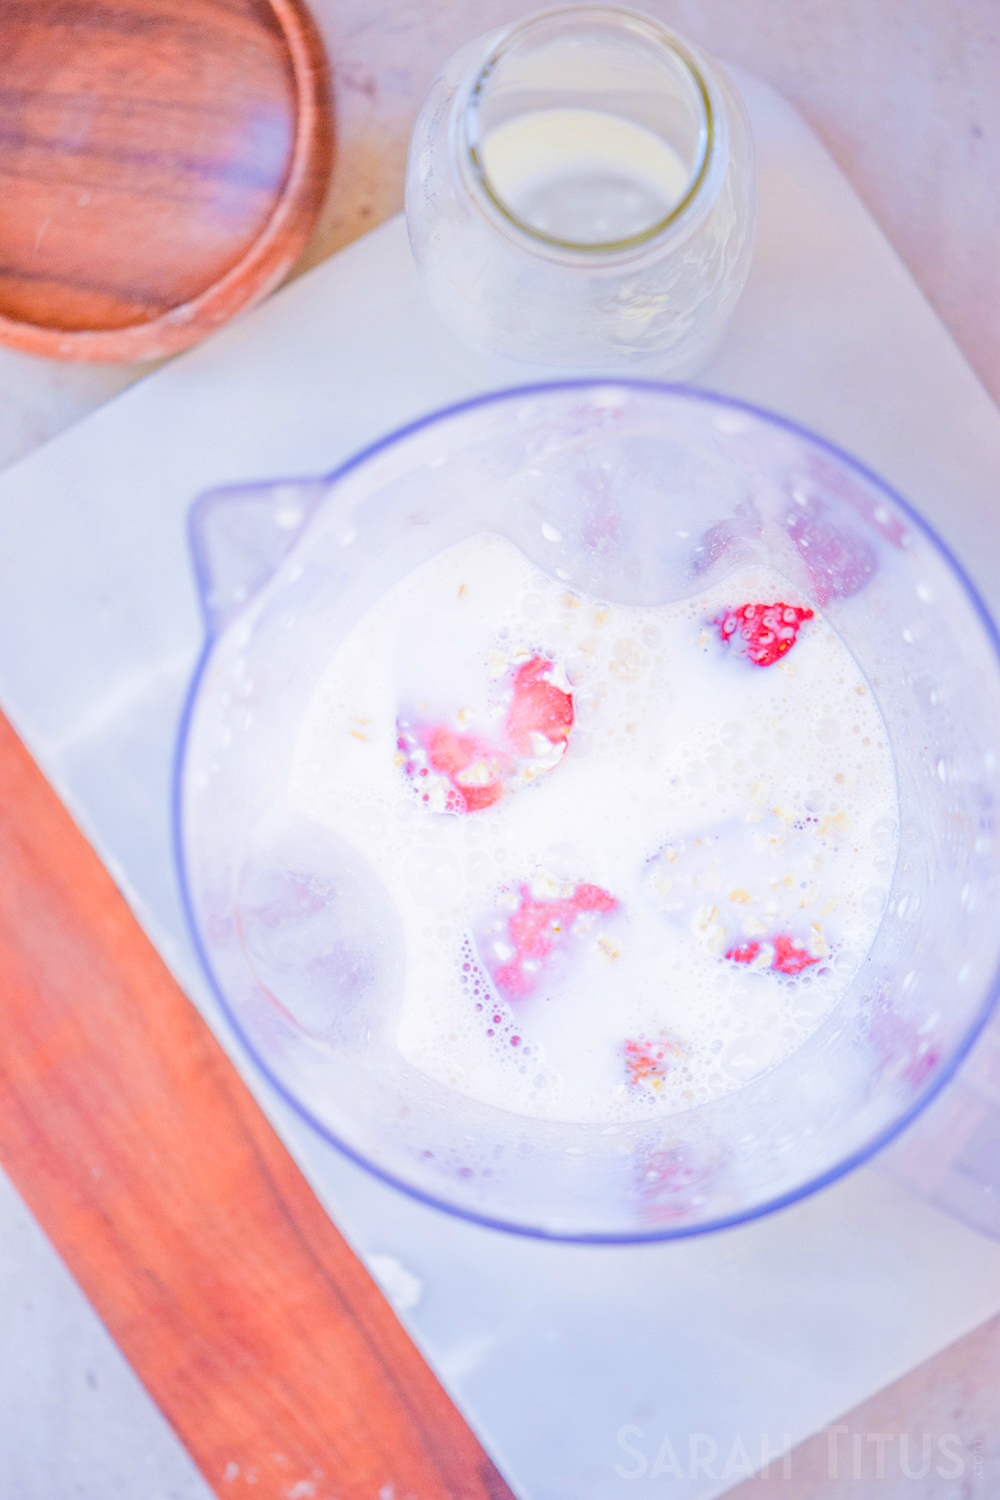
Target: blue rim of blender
pixel 812 1185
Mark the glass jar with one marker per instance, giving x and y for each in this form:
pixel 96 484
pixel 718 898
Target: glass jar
pixel 580 194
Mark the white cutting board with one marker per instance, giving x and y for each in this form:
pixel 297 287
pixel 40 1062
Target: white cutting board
pixel 763 1333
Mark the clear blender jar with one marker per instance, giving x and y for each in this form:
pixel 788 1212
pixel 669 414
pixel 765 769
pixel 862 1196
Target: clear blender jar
pixel 299 937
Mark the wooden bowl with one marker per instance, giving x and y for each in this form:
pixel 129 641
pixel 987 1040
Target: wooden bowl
pixel 162 164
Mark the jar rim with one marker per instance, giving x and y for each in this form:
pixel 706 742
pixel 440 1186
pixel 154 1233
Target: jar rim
pixel 627 20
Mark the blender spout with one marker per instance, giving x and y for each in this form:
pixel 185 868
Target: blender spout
pixel 239 536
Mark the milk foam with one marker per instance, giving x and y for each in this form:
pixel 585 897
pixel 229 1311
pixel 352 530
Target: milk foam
pixel 718 802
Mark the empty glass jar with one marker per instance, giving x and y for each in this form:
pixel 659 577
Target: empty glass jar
pixel 580 194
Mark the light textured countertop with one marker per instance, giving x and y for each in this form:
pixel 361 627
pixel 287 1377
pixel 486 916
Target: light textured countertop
pixel 906 95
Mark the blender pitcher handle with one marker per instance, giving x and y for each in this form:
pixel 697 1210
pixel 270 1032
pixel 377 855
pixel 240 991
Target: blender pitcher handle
pixel 239 535
pixel 950 1155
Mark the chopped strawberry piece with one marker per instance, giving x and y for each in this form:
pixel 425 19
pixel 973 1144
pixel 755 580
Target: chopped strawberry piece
pixel 449 752
pixel 649 1062
pixel 478 797
pixel 790 957
pixel 592 898
pixel 840 562
pixel 474 770
pixel 746 954
pixel 763 632
pixel 537 925
pixel 460 769
pixel 462 773
pixel 538 707
pixel 532 933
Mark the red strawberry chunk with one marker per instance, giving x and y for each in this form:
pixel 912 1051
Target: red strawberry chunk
pixel 592 898
pixel 473 768
pixel 537 707
pixel 763 632
pixel 790 957
pixel 538 928
pixel 649 1062
pixel 460 768
pixel 450 752
pixel 463 773
pixel 746 954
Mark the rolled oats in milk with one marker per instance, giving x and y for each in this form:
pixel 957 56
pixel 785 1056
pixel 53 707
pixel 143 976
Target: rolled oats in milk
pixel 638 853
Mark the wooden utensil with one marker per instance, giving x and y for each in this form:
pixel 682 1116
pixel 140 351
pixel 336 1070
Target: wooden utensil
pixel 162 164
pixel 131 1138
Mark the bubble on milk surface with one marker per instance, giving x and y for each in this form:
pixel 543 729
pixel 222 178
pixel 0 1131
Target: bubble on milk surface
pixel 673 740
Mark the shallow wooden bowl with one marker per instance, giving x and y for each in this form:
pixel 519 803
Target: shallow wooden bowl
pixel 162 164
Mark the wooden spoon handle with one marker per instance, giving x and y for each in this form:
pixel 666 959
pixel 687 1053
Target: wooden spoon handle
pixel 146 1160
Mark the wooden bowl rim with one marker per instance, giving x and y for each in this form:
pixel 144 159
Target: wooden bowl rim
pixel 265 262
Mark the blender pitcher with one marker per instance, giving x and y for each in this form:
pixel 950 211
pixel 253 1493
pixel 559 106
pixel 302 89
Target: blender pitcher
pixel 302 942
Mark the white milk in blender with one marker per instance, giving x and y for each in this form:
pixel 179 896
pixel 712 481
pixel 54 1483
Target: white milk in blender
pixel 637 853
